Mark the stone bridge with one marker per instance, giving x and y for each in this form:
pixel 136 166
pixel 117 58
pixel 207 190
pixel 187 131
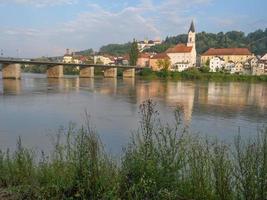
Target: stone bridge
pixel 11 68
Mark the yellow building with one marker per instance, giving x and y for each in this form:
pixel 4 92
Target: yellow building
pixel 153 62
pixel 227 54
pixel 143 60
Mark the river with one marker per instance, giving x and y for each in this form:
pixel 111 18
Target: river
pixel 35 107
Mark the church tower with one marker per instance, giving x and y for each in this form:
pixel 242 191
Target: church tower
pixel 191 42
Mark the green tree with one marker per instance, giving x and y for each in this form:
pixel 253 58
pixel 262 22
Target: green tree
pixel 256 41
pixel 134 53
pixel 164 64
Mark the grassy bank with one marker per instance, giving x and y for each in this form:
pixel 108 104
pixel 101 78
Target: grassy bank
pixel 196 74
pixel 161 161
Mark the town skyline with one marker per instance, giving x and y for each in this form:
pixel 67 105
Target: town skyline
pixel 47 28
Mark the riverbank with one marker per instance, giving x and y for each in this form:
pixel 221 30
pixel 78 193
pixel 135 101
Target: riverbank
pixel 193 74
pixel 161 161
pixel 196 74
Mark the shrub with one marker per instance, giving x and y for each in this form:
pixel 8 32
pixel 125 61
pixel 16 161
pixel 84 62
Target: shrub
pixel 146 72
pixel 204 69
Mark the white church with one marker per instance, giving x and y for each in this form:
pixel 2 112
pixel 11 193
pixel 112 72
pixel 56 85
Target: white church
pixel 183 56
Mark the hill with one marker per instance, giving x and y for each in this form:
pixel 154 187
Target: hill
pixel 256 41
pixel 85 52
pixel 116 49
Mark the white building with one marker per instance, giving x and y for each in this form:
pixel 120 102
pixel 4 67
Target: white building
pixel 67 58
pixel 216 64
pixel 146 44
pixel 258 69
pixel 264 58
pixel 180 66
pixel 230 67
pixel 183 56
pixel 250 64
pixel 105 60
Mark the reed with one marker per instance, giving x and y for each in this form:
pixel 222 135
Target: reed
pixel 161 161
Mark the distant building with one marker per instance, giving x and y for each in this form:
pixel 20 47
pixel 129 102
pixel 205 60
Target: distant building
pixel 146 44
pixel 72 58
pixel 153 63
pixel 183 56
pixel 250 64
pixel 67 58
pixel 216 64
pixel 122 60
pixel 227 54
pixel 230 67
pixel 143 60
pixel 104 59
pixel 264 58
pixel 239 68
pixel 259 69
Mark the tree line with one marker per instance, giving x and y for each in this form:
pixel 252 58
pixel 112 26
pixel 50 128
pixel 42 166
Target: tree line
pixel 256 41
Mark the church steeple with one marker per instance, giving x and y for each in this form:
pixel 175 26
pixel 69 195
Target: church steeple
pixel 191 41
pixel 192 27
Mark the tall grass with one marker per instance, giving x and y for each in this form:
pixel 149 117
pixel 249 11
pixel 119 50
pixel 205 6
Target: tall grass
pixel 161 161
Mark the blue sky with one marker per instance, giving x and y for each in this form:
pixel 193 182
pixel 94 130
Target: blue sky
pixel 47 27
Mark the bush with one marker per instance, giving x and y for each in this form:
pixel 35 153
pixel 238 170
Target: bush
pixel 77 169
pixel 204 69
pixel 163 73
pixel 146 72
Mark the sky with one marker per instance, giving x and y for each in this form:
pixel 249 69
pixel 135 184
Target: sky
pixel 34 28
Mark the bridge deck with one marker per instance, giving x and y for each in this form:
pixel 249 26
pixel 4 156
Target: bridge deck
pixel 14 61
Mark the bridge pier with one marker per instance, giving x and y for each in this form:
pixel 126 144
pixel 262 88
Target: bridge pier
pixel 11 71
pixel 128 73
pixel 55 71
pixel 87 72
pixel 110 73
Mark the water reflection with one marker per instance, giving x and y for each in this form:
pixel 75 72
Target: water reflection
pixel 108 86
pixel 87 83
pixel 211 98
pixel 182 95
pixel 222 97
pixel 38 104
pixel 11 86
pixel 63 84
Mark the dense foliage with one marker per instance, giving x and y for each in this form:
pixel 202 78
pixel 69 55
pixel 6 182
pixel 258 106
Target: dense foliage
pixel 200 74
pixel 133 54
pixel 116 49
pixel 162 161
pixel 38 69
pixel 255 41
pixel 85 52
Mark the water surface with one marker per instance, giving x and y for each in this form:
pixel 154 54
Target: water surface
pixel 35 107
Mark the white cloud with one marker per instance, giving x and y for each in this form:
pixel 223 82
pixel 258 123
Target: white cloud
pixel 99 26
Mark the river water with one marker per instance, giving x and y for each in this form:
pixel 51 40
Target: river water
pixel 36 107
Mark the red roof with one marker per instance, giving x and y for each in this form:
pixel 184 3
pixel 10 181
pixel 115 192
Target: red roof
pixel 161 56
pixel 144 55
pixel 227 51
pixel 179 48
